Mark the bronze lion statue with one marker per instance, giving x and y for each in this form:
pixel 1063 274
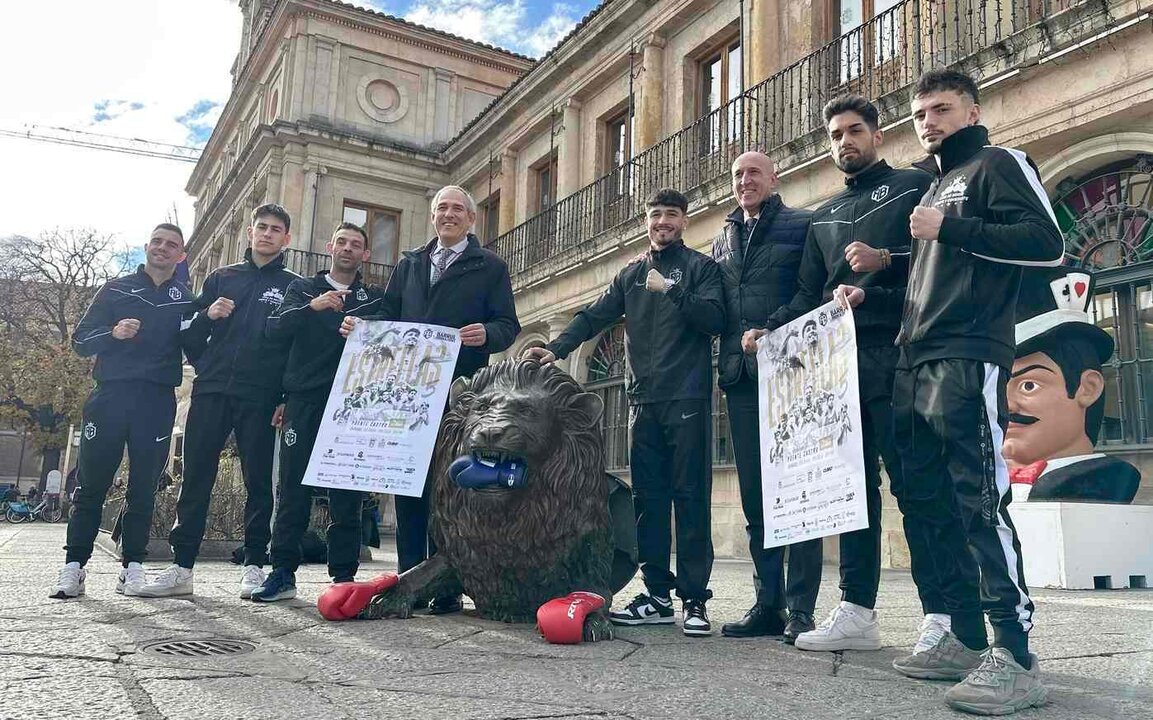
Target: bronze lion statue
pixel 511 549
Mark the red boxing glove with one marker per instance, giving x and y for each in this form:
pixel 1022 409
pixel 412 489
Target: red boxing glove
pixel 344 601
pixel 561 620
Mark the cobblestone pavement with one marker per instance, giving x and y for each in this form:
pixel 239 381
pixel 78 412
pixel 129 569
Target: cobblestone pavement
pixel 86 658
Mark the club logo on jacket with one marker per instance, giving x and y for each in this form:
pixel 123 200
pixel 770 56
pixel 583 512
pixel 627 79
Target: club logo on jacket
pixel 361 295
pixel 290 437
pixel 676 276
pixel 175 293
pixel 954 192
pixel 90 431
pixel 880 193
pixel 273 296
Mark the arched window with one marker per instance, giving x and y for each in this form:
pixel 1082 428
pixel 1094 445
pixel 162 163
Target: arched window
pixel 1107 220
pixel 606 377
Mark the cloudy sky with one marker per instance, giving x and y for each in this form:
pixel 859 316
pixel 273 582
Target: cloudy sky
pixel 159 70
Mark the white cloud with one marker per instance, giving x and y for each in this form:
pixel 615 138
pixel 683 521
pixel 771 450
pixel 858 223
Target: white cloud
pixel 133 71
pixel 508 24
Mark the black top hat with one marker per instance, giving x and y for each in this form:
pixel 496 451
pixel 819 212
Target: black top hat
pixel 1054 307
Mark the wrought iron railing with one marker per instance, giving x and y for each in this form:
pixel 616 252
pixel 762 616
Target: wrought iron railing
pixel 307 264
pixel 881 60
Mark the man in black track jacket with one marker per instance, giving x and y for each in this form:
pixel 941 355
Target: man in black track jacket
pixel 454 282
pixel 985 217
pixel 850 245
pixel 308 321
pixel 673 305
pixel 134 327
pixel 237 389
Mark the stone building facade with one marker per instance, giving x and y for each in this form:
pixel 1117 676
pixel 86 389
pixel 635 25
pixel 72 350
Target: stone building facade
pixel 651 93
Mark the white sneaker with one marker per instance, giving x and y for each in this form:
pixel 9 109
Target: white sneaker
pixel 171 582
pixel 848 627
pixel 933 628
pixel 251 578
pixel 70 582
pixel 131 580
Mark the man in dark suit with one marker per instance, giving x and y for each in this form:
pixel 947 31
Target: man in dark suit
pixel 454 282
pixel 1056 396
pixel 759 253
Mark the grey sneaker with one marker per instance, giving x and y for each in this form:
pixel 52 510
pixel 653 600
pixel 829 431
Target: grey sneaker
pixel 949 659
pixel 999 686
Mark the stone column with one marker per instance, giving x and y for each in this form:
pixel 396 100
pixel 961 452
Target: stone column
pixel 569 152
pixel 507 192
pixel 556 325
pixel 649 88
pixel 761 53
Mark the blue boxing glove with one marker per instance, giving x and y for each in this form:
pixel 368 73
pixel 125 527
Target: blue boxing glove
pixel 471 472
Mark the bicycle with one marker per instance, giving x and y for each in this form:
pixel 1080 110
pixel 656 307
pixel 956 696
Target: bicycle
pixel 47 511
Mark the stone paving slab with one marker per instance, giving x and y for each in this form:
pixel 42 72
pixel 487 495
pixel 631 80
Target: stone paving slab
pixel 85 658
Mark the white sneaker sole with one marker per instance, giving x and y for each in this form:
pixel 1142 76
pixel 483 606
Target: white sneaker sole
pixel 697 632
pixel 128 590
pixel 282 595
pixel 643 621
pixel 246 593
pixel 178 591
pixel 64 595
pixel 827 645
pixel 1036 697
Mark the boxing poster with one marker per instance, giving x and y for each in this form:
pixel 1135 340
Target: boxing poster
pixel 812 458
pixel 384 411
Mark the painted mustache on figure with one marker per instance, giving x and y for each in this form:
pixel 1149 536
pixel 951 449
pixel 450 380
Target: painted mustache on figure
pixel 1022 419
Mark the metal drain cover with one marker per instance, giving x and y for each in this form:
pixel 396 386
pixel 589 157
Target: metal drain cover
pixel 199 648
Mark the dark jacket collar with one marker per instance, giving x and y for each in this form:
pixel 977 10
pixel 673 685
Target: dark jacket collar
pixel 671 251
pixel 769 208
pixel 276 263
pixel 321 280
pixel 143 275
pixel 962 145
pixel 472 250
pixel 869 176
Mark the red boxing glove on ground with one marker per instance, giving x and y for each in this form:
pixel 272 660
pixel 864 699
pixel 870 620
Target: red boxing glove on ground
pixel 561 620
pixel 343 601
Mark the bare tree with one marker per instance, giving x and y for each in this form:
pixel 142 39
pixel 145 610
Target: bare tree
pixel 46 284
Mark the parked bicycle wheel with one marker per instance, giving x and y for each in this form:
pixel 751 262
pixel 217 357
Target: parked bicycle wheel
pixel 16 517
pixel 52 515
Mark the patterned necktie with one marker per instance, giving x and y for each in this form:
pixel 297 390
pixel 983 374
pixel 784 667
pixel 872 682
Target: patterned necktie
pixel 440 263
pixel 750 225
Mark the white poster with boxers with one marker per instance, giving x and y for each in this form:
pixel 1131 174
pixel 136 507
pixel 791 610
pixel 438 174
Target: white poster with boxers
pixel 384 411
pixel 812 456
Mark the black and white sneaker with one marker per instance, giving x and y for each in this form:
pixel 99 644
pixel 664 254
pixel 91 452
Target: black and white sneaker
pixel 645 609
pixel 696 623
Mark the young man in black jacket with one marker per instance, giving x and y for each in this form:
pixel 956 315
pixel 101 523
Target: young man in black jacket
pixel 673 305
pixel 758 253
pixel 851 242
pixel 308 322
pixel 135 327
pixel 454 282
pixel 237 389
pixel 985 217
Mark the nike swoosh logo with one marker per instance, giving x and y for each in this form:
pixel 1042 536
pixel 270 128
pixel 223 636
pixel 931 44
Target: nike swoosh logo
pixel 686 417
pixel 138 290
pixel 163 438
pixel 836 209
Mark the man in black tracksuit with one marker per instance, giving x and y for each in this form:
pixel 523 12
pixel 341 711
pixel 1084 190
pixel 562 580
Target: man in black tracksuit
pixel 850 243
pixel 237 389
pixel 308 321
pixel 134 328
pixel 985 216
pixel 454 282
pixel 672 302
pixel 758 253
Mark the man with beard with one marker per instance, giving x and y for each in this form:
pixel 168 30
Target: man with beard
pixel 135 327
pixel 758 253
pixel 850 247
pixel 984 218
pixel 671 299
pixel 308 322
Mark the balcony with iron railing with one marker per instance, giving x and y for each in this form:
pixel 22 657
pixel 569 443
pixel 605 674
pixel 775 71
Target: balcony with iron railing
pixel 307 264
pixel 781 116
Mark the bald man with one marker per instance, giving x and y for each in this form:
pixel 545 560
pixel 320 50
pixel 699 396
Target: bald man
pixel 759 254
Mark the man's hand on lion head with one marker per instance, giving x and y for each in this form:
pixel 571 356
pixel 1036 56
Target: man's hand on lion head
pixel 541 355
